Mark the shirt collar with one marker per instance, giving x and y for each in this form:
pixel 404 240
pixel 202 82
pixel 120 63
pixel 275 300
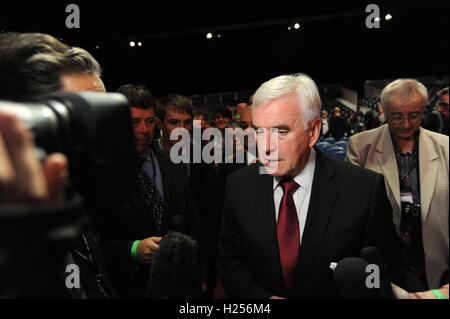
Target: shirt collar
pixel 305 177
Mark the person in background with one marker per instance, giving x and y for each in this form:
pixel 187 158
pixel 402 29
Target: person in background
pixel 442 107
pixel 338 125
pixel 164 202
pixel 415 164
pixel 325 125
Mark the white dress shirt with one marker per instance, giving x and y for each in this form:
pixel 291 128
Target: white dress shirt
pixel 302 195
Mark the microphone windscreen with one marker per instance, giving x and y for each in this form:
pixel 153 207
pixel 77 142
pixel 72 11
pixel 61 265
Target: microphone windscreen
pixel 350 279
pixel 372 256
pixel 175 270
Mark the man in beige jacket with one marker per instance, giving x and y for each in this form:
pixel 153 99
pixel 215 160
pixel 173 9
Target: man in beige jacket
pixel 415 164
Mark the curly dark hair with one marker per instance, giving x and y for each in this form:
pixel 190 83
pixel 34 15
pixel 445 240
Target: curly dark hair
pixel 138 96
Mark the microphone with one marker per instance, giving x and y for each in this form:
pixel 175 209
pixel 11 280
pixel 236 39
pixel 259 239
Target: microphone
pixel 175 270
pixel 350 278
pixel 373 256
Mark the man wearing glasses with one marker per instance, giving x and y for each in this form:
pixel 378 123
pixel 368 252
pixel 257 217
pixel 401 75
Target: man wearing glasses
pixel 442 107
pixel 415 164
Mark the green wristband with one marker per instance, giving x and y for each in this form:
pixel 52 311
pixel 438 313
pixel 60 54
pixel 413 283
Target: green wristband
pixel 438 294
pixel 134 249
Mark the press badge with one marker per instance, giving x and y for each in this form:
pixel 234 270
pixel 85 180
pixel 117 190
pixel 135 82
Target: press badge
pixel 407 198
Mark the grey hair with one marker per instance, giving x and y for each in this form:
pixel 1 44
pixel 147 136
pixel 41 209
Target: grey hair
pixel 442 92
pixel 31 64
pixel 403 89
pixel 300 84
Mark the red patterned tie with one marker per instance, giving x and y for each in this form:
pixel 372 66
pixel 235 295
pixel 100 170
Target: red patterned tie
pixel 287 231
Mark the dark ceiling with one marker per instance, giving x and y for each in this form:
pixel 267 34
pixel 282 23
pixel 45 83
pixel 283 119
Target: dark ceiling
pixel 333 44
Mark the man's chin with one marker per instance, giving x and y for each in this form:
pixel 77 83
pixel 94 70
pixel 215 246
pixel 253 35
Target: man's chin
pixel 142 149
pixel 406 136
pixel 273 169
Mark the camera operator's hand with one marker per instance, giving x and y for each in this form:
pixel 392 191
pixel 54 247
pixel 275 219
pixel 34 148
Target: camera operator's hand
pixel 22 177
pixel 146 249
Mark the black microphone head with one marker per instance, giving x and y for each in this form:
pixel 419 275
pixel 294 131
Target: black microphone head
pixel 175 270
pixel 350 278
pixel 373 256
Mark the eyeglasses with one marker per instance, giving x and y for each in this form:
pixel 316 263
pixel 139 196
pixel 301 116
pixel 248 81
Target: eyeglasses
pixel 443 105
pixel 411 117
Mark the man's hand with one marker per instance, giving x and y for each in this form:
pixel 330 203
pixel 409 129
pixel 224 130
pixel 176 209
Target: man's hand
pixel 22 177
pixel 146 249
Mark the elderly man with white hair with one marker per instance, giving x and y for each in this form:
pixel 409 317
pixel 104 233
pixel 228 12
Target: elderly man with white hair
pixel 287 218
pixel 415 164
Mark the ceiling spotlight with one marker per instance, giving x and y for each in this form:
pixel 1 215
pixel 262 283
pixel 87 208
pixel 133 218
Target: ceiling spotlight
pixel 140 44
pixel 296 26
pixel 132 44
pixel 289 28
pixel 209 36
pixel 219 35
pixel 97 47
pixel 388 17
pixel 377 19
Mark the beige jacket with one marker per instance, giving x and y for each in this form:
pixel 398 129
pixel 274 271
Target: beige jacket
pixel 373 150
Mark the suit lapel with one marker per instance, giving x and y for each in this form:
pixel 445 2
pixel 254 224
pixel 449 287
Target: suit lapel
pixel 318 215
pixel 388 166
pixel 428 169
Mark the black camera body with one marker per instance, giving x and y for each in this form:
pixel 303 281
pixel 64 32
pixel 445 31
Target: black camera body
pixel 94 131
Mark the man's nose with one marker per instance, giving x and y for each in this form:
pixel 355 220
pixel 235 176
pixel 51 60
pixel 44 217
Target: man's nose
pixel 406 123
pixel 142 128
pixel 269 141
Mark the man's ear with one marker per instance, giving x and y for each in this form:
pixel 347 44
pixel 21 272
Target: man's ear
pixel 158 123
pixel 314 132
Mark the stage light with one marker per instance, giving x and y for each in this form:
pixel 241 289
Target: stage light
pixel 209 36
pixel 132 44
pixel 140 44
pixel 377 19
pixel 296 26
pixel 388 17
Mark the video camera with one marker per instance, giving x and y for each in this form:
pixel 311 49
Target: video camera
pixel 94 131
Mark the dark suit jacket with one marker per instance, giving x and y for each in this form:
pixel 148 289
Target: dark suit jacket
pixel 348 210
pixel 127 221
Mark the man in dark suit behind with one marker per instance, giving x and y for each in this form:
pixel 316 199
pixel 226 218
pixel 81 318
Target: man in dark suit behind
pixel 282 230
pixel 163 203
pixel 338 124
